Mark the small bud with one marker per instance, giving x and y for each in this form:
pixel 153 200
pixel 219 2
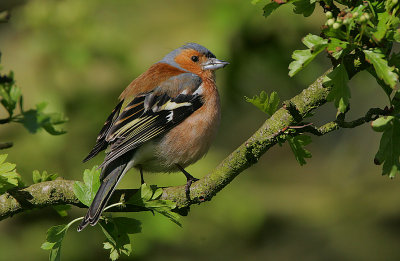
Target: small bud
pixel 336 26
pixel 330 22
pixel 328 14
pixel 355 14
pixel 346 21
pixel 363 19
pixel 366 16
pixel 395 1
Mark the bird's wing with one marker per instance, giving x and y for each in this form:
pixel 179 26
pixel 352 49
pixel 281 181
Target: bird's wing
pixel 151 114
pixel 101 143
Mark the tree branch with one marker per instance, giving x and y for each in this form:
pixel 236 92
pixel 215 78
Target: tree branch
pixel 60 192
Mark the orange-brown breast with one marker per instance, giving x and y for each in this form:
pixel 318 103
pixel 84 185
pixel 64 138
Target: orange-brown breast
pixel 190 140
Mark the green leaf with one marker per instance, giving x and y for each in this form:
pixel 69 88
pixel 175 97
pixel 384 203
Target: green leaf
pixel 116 231
pixel 157 194
pixel 9 178
pixel 336 47
pixel 340 92
pixel 62 210
pixel 297 144
pixel 382 27
pixel 382 69
pixel 35 119
pixel 386 88
pixel 302 58
pixel 146 192
pixel 9 93
pixel 266 104
pixel 304 7
pixel 148 197
pixel 55 235
pixel 396 36
pixel 382 123
pixel 269 8
pixel 37 177
pixel 85 191
pixel 389 147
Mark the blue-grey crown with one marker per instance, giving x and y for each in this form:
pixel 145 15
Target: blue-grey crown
pixel 170 58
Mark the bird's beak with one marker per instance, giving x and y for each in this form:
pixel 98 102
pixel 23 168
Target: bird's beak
pixel 214 64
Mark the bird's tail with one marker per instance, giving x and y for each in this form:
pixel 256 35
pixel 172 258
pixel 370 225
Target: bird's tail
pixel 111 175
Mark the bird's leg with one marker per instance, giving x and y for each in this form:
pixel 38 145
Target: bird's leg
pixel 141 175
pixel 190 179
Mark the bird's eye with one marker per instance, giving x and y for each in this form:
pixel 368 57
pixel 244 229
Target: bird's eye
pixel 195 59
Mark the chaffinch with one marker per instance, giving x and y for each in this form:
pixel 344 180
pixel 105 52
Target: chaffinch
pixel 165 121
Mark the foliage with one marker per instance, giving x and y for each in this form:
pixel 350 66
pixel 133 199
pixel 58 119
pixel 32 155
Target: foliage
pixel 86 190
pixel 115 229
pixel 37 177
pixel 266 104
pixel 297 144
pixel 33 119
pixel 149 197
pixel 357 36
pixel 389 148
pixel 9 178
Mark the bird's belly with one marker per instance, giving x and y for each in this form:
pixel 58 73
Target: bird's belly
pixel 184 144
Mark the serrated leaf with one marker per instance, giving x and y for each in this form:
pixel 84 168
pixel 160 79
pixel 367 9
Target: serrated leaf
pixel 266 104
pixel 148 196
pixel 9 178
pixel 54 238
pixel 36 119
pixel 389 147
pixel 340 92
pixel 116 231
pixel 302 58
pixel 382 27
pixel 304 7
pixel 297 144
pixel 85 191
pixel 42 177
pixel 382 69
pixel 269 8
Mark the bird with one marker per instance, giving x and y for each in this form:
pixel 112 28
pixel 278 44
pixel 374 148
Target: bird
pixel 165 121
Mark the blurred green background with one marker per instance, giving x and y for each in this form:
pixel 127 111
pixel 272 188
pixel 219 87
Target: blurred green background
pixel 79 55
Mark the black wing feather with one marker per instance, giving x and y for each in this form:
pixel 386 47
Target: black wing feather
pixel 161 122
pixel 101 143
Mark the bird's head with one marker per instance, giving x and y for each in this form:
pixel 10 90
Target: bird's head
pixel 194 58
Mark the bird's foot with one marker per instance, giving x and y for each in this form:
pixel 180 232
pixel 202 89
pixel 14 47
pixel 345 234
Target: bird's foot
pixel 189 182
pixel 190 179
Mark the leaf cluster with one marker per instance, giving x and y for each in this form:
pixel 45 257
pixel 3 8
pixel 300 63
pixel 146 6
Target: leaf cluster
pixel 11 99
pixel 357 36
pixel 117 230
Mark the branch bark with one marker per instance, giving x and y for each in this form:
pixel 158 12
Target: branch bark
pixel 60 192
